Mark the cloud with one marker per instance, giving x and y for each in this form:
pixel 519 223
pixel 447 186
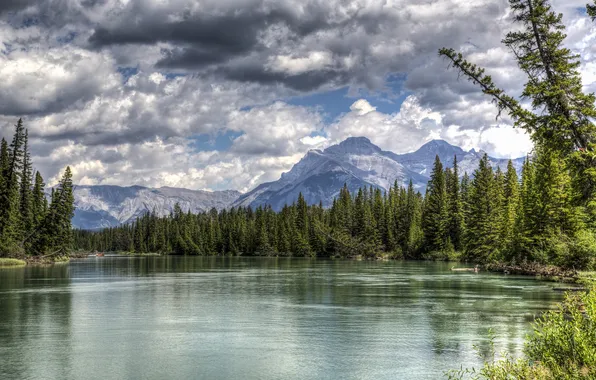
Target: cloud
pixel 43 82
pixel 119 89
pixel 399 132
pixel 13 5
pixel 275 130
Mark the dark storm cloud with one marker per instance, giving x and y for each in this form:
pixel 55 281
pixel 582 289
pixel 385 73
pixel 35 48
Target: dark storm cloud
pixel 215 39
pixel 202 39
pixel 145 128
pixel 15 5
pixel 300 82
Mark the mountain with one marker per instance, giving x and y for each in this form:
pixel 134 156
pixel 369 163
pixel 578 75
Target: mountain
pixel 422 160
pixel 319 176
pixel 107 206
pixel 357 162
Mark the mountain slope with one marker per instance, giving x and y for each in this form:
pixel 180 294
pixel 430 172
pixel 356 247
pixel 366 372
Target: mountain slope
pixel 319 176
pixel 106 206
pixel 357 162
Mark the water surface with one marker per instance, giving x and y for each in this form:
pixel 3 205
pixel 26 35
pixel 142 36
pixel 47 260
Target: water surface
pixel 255 318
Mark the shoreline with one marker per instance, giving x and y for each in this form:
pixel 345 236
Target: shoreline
pixel 539 271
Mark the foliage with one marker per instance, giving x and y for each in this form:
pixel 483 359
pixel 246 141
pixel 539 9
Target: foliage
pixel 28 224
pixel 561 120
pixel 498 221
pixel 7 262
pixel 562 346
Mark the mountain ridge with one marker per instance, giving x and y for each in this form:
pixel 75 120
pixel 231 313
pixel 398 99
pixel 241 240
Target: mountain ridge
pixel 319 176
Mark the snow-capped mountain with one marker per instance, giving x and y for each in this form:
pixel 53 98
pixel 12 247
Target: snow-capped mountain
pixel 422 160
pixel 319 176
pixel 107 206
pixel 357 162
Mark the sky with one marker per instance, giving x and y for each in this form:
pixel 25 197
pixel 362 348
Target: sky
pixel 227 94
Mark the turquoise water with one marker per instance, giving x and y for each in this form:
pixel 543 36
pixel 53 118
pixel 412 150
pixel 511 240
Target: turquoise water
pixel 256 318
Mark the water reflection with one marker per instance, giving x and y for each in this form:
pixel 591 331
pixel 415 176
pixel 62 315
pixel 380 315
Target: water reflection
pixel 221 318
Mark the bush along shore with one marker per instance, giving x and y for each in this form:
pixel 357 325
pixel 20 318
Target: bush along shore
pixel 562 345
pixel 9 262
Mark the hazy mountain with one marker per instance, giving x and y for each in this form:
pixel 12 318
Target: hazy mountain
pixel 105 206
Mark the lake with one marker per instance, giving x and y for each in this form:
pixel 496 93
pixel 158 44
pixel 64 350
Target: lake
pixel 256 318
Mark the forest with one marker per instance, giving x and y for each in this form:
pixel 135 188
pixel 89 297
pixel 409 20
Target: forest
pixel 490 216
pixel 29 223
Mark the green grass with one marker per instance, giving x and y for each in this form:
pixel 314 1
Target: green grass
pixel 587 278
pixel 4 262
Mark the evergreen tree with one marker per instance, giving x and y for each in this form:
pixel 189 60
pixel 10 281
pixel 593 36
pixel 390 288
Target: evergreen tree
pixel 25 204
pixel 455 207
pixel 510 208
pixel 563 122
pixel 482 229
pixel 39 201
pixel 435 210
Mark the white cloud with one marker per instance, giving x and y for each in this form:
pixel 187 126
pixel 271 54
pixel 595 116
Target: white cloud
pixel 313 140
pixel 316 60
pixel 362 107
pixel 81 112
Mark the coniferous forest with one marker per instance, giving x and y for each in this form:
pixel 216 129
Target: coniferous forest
pixel 489 216
pixel 29 223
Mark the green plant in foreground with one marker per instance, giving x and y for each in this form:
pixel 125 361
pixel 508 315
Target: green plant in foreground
pixel 562 346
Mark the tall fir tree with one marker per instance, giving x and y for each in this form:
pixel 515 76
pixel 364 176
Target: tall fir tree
pixel 435 217
pixel 563 121
pixel 455 207
pixel 510 209
pixel 25 191
pixel 482 229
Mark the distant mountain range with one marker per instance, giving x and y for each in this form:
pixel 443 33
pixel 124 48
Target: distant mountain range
pixel 319 176
pixel 107 206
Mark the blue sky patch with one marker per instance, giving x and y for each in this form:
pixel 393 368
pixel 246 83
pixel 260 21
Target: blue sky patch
pixel 220 142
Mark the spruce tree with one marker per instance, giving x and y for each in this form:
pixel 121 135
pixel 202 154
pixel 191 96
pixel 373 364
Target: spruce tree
pixel 510 209
pixel 481 243
pixel 25 204
pixel 456 212
pixel 563 121
pixel 435 215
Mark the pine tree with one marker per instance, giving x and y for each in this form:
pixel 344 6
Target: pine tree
pixel 563 119
pixel 435 210
pixel 509 211
pixel 64 211
pixel 10 226
pixel 25 204
pixel 456 212
pixel 39 201
pixel 481 243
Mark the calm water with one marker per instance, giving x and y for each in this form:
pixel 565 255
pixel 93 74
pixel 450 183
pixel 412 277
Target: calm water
pixel 242 318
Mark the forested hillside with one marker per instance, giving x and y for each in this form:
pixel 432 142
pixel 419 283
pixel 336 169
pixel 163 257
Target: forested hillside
pixel 492 216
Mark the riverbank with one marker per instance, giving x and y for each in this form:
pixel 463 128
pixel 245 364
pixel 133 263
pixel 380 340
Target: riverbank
pixel 543 272
pixel 9 262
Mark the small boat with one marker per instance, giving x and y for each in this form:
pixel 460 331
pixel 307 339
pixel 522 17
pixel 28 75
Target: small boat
pixel 100 255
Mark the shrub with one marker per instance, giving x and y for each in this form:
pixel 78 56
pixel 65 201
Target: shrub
pixel 562 346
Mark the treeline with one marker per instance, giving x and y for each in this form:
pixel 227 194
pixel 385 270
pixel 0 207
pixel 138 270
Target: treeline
pixel 491 216
pixel 29 224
